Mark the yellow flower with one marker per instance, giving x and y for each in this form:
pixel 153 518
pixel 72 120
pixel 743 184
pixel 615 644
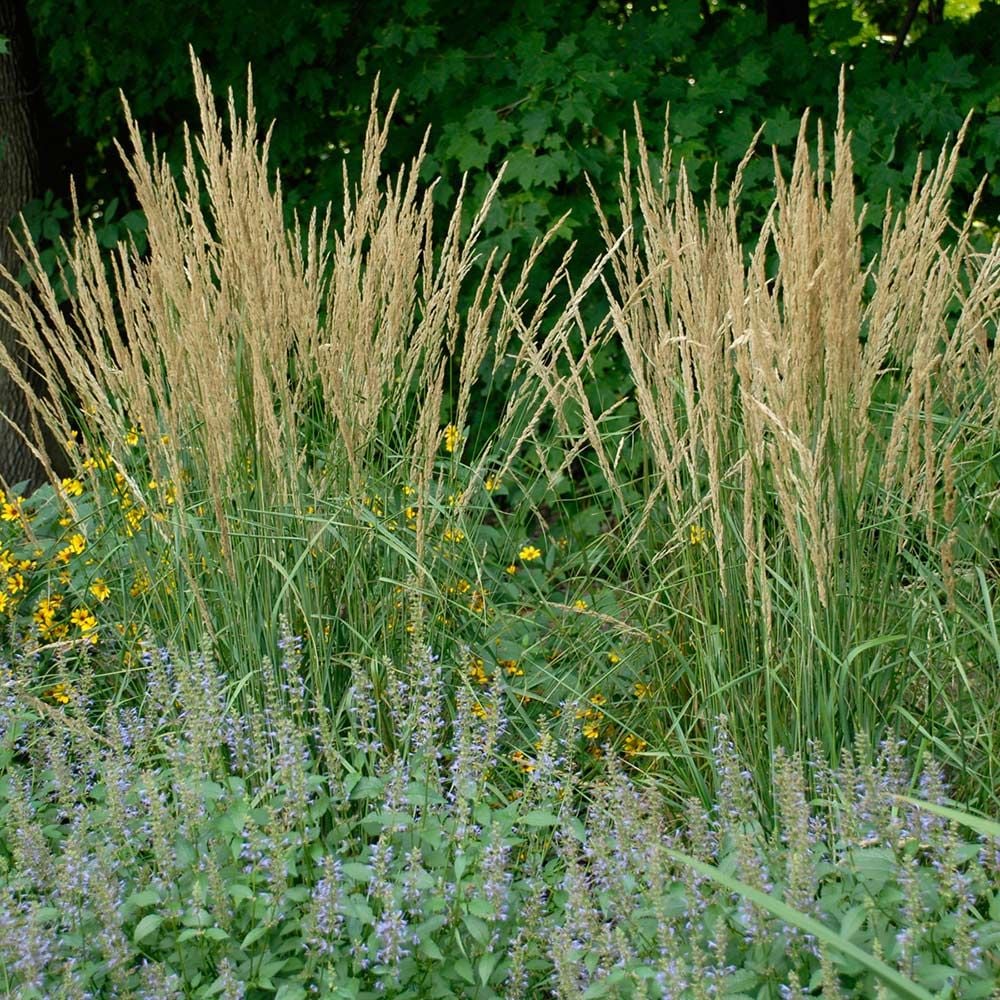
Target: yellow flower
pixel 642 690
pixel 698 534
pixel 140 584
pixel 100 589
pixel 11 511
pixel 133 517
pixel 491 483
pixel 72 487
pixel 511 569
pixel 477 671
pixel 7 561
pixel 64 555
pixel 614 658
pixel 4 601
pixel 523 761
pixel 452 435
pixel 408 491
pixel 454 535
pixel 83 620
pixel 530 553
pixel 512 668
pixel 591 730
pixel 15 583
pixel 132 437
pixel 580 605
pixel 634 745
pixel 597 699
pixel 480 711
pixel 77 543
pixel 61 693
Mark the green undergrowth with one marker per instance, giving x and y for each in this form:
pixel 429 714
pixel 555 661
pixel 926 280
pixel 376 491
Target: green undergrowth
pixel 179 848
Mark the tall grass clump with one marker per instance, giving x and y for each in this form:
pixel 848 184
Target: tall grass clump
pixel 278 419
pixel 805 505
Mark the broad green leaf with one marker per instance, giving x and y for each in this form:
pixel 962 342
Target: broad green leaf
pixel 147 926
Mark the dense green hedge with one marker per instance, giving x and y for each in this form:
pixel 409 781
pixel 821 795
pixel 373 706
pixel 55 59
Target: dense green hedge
pixel 548 87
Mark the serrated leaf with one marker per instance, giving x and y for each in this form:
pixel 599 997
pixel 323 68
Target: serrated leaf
pixel 253 936
pixel 147 926
pixel 147 897
pixel 486 966
pixel 357 871
pixel 478 929
pixel 539 817
pixel 464 969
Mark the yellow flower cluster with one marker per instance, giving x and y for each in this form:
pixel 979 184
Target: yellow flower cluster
pixel 452 435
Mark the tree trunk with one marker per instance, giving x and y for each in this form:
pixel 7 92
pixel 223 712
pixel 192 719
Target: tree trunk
pixel 19 183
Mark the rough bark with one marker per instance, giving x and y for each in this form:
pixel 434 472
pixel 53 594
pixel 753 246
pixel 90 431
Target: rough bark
pixel 19 183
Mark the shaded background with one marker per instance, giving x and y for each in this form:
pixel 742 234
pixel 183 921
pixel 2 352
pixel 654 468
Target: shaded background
pixel 547 85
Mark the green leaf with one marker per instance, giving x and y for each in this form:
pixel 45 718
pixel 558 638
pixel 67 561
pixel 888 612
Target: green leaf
pixel 357 871
pixel 147 926
pixel 253 936
pixel 486 966
pixel 903 986
pixel 147 897
pixel 464 969
pixel 478 929
pixel 539 817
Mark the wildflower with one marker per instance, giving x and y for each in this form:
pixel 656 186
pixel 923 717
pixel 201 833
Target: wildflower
pixel 698 535
pixel 614 658
pixel 642 690
pixel 477 602
pixel 523 761
pixel 100 589
pixel 452 435
pixel 83 620
pixel 132 437
pixel 580 605
pixel 140 584
pixel 597 699
pixel 134 517
pixel 77 544
pixel 72 487
pixel 4 601
pixel 11 511
pixel 477 671
pixel 634 745
pixel 7 561
pixel 529 553
pixel 511 569
pixel 480 711
pixel 591 730
pixel 454 535
pixel 15 583
pixel 61 693
pixel 512 668
pixel 491 483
